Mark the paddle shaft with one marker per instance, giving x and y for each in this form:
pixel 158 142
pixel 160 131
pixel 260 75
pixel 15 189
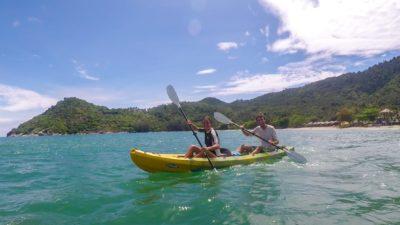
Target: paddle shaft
pixel 197 138
pixel 194 133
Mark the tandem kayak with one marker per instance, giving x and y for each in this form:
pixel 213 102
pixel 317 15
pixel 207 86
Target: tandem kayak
pixel 176 163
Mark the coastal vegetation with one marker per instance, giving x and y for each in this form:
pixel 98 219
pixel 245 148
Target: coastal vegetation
pixel 350 97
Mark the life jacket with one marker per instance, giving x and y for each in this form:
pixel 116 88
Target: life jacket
pixel 209 139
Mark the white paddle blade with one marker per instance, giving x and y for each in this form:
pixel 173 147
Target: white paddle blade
pixel 222 118
pixel 296 157
pixel 173 96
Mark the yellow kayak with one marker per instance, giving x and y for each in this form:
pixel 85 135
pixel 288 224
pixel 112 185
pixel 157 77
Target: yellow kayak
pixel 176 163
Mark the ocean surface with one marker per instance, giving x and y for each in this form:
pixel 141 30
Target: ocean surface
pixel 352 177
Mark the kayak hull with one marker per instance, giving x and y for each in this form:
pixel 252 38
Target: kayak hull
pixel 177 163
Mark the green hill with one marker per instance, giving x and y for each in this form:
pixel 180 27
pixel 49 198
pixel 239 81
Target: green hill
pixel 376 87
pixel 73 115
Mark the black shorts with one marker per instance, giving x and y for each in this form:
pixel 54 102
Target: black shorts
pixel 263 148
pixel 223 151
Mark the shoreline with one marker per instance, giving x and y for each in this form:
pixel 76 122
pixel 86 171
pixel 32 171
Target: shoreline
pixel 347 128
pixel 290 128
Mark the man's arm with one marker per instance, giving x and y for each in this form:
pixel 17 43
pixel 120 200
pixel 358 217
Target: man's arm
pixel 274 140
pixel 213 147
pixel 246 133
pixel 194 127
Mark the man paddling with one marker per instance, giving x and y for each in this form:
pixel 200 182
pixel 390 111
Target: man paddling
pixel 263 130
pixel 211 139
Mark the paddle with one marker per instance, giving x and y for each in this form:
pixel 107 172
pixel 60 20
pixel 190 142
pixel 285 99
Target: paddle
pixel 174 98
pixel 293 155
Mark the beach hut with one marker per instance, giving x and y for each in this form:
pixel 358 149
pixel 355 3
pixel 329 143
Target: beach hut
pixel 386 114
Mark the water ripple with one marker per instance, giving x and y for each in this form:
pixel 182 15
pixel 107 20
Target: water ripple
pixel 352 177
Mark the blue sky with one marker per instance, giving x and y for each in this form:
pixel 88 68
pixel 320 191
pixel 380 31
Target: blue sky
pixel 124 53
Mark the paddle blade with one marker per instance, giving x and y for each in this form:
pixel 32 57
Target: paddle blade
pixel 173 96
pixel 296 157
pixel 222 118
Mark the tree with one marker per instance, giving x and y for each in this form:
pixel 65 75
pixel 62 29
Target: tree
pixel 297 121
pixel 368 114
pixel 250 124
pixel 344 114
pixel 281 122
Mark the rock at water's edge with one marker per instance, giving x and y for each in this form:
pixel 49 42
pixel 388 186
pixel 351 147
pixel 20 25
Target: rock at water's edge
pixel 12 133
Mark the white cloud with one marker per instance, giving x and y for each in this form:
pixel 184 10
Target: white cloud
pixel 147 103
pixel 18 105
pixel 356 27
pixel 291 75
pixel 313 68
pixel 194 27
pixel 265 31
pixel 9 120
pixel 6 120
pixel 206 71
pixel 232 57
pixel 226 46
pixel 16 23
pixel 253 12
pixel 205 86
pixel 36 56
pixel 16 99
pixel 96 95
pixel 6 124
pixel 359 63
pixel 242 73
pixel 266 83
pixel 33 19
pixel 83 72
pixel 247 33
pixel 198 5
pixel 113 97
pixel 205 89
pixel 264 60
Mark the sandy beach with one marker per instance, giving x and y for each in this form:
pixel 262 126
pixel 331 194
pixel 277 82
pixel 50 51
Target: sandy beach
pixel 394 127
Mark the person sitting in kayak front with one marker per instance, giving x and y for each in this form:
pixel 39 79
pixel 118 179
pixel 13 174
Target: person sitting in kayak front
pixel 263 130
pixel 211 140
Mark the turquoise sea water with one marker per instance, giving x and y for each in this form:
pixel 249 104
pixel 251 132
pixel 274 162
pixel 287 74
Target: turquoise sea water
pixel 353 177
